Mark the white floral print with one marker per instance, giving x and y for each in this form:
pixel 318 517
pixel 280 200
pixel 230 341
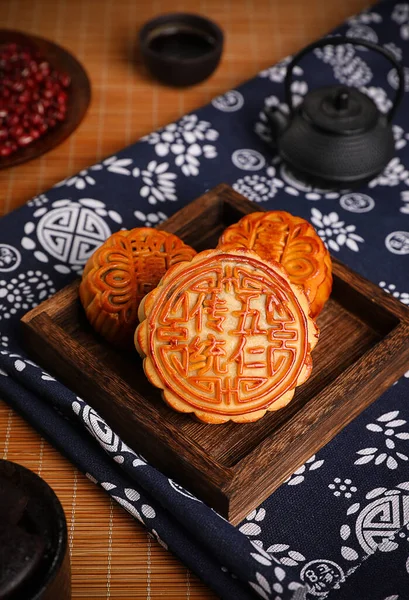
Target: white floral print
pixel 150 219
pixel 333 55
pixel 251 526
pixel 363 32
pixel 261 586
pixel 404 196
pixel 82 179
pixel 117 165
pixel 365 17
pixel 392 76
pixel 283 587
pixel 278 72
pixel 38 200
pixel 394 49
pixel 279 590
pixel 20 363
pixel 279 553
pixel 400 136
pixel 261 556
pixel 393 174
pixel 391 289
pixel 348 68
pixel 334 232
pixel 389 426
pixel 4 341
pixel 85 176
pixel 400 15
pixel 187 140
pixel 379 96
pixel 23 292
pixel 129 498
pixel 259 188
pixel 299 475
pixel 342 487
pixel 262 127
pixel 282 554
pixel 159 184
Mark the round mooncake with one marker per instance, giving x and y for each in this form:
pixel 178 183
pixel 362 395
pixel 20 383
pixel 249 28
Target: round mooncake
pixel 291 241
pixel 226 336
pixel 128 265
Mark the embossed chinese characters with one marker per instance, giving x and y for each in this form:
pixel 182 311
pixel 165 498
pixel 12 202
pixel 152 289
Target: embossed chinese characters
pixel 117 276
pixel 226 336
pixel 291 241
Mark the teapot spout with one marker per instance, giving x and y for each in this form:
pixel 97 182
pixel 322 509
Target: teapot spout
pixel 278 122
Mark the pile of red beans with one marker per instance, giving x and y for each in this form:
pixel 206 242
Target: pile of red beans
pixel 33 97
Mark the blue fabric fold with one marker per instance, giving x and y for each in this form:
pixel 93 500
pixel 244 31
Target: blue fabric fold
pixel 342 518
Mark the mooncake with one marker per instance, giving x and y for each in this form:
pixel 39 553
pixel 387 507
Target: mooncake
pixel 291 241
pixel 226 336
pixel 120 272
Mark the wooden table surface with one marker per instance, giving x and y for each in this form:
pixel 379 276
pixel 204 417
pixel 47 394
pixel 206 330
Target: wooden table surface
pixel 111 554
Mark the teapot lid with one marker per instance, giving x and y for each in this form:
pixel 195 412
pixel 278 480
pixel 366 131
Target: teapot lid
pixel 340 109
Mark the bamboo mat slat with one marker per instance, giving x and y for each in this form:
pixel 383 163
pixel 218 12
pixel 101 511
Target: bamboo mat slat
pixel 111 554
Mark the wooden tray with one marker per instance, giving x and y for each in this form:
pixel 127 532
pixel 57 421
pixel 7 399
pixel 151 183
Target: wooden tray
pixel 79 95
pixel 362 350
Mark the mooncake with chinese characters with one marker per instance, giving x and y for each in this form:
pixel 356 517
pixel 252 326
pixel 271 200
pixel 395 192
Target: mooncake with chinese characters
pixel 226 336
pixel 291 241
pixel 128 265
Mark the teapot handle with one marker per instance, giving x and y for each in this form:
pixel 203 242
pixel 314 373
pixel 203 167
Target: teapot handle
pixel 338 41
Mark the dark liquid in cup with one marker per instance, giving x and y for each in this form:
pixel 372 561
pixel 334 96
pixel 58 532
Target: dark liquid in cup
pixel 181 43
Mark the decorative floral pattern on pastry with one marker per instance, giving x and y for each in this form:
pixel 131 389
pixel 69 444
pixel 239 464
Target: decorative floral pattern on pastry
pixel 128 265
pixel 291 241
pixel 226 336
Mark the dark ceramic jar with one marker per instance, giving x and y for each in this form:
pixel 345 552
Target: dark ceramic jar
pixel 34 556
pixel 181 49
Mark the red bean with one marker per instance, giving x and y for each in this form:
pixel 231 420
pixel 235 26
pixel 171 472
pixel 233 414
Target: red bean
pixel 5 151
pixel 25 140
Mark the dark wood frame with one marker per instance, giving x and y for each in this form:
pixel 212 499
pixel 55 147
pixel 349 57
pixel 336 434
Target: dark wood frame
pixel 233 467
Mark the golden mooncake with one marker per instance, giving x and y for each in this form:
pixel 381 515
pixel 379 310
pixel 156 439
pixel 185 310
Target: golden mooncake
pixel 291 241
pixel 128 265
pixel 226 336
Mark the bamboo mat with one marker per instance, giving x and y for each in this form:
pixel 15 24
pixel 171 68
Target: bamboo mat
pixel 111 555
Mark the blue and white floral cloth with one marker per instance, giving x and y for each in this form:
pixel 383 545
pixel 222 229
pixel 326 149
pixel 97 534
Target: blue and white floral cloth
pixel 339 526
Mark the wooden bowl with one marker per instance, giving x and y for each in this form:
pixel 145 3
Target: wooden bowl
pixel 79 95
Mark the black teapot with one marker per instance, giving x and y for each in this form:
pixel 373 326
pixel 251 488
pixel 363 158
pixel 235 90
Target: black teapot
pixel 337 135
